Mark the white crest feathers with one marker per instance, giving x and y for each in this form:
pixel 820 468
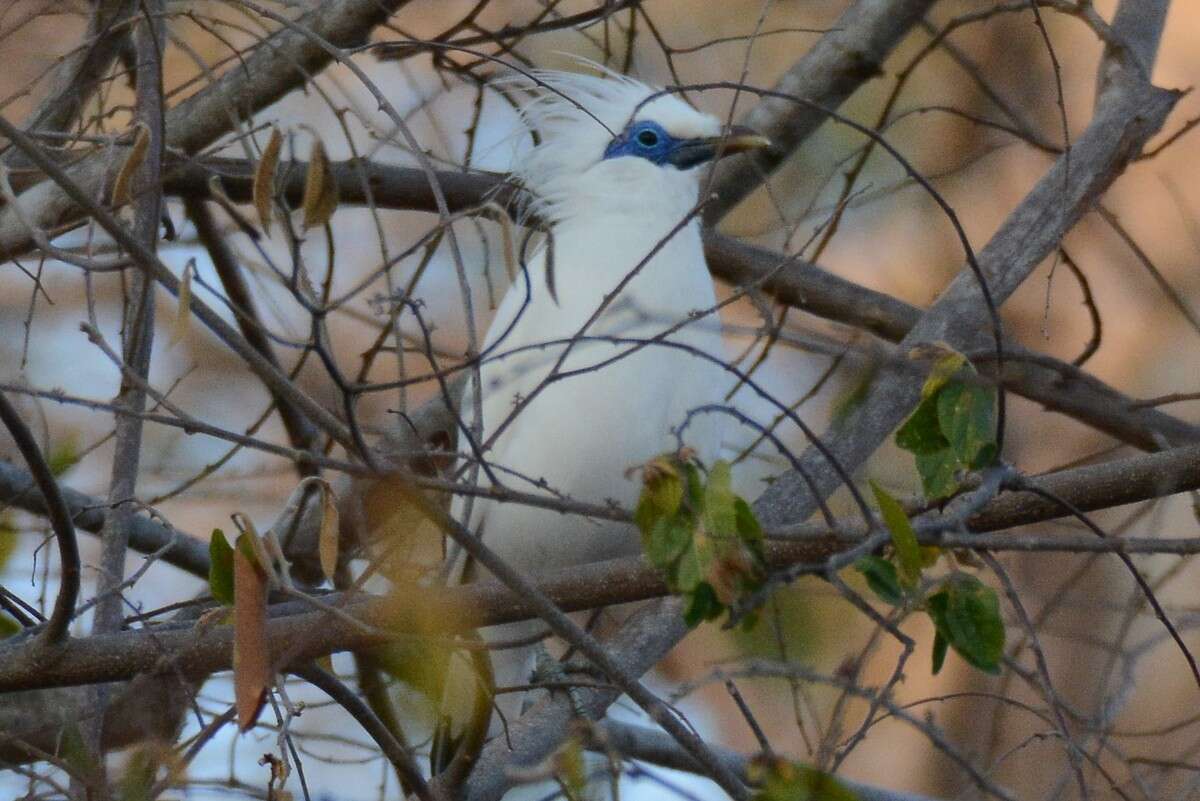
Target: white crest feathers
pixel 576 116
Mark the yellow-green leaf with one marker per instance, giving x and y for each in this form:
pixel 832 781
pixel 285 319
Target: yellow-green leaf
pixel 780 779
pixel 220 568
pixel 8 539
pixel 904 539
pixel 62 457
pixel 945 366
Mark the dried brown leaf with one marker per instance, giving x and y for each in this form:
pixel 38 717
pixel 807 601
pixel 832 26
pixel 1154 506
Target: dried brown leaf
pixel 327 544
pixel 251 661
pixel 122 186
pixel 264 180
pixel 320 188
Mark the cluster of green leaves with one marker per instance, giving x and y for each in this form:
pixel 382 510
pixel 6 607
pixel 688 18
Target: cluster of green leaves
pixel 965 611
pixel 702 535
pixel 953 429
pixel 783 780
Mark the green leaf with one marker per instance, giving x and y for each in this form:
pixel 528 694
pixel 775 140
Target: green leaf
pixel 702 605
pixel 966 412
pixel 138 778
pixel 783 780
pixel 939 473
pixel 76 753
pixel 62 457
pixel 720 512
pixel 662 492
pixel 881 578
pixel 693 565
pixel 967 617
pixel 849 401
pixel 904 539
pixel 9 537
pixel 667 540
pixel 935 606
pixel 921 432
pixel 953 427
pixel 220 568
pixel 8 626
pixel 748 527
pixel 973 623
pixel 939 652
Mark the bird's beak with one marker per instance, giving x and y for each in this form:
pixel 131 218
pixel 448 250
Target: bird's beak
pixel 739 139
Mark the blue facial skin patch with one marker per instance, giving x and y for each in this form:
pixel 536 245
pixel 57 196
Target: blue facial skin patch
pixel 648 140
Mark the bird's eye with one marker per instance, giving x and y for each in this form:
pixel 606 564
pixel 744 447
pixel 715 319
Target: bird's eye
pixel 647 138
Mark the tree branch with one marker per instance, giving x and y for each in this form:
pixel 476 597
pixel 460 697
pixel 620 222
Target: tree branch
pixel 295 630
pixel 60 521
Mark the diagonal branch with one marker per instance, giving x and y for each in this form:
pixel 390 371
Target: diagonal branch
pixel 1122 124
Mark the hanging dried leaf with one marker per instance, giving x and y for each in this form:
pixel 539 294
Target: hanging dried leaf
pixel 320 188
pixel 122 186
pixel 251 662
pixel 183 311
pixel 327 545
pixel 264 180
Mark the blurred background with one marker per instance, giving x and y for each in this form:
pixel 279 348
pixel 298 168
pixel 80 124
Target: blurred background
pixel 1109 660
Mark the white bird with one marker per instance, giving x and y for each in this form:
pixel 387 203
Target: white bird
pixel 578 382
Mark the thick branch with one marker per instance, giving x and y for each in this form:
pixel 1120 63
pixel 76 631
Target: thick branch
pixel 1138 24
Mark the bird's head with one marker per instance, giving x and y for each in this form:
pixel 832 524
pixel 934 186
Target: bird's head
pixel 613 141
